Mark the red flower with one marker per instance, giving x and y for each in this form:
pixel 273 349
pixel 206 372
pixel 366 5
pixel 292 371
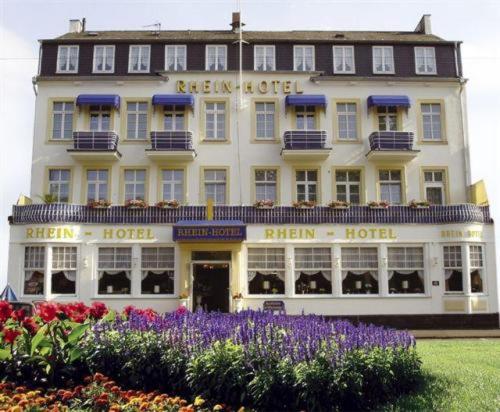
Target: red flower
pixel 77 312
pixel 19 315
pixel 30 325
pixel 48 311
pixel 98 310
pixel 10 335
pixel 128 309
pixel 5 310
pixel 181 310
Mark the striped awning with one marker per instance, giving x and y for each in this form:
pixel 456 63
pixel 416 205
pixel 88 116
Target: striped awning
pixel 184 99
pixel 8 294
pixel 401 101
pixel 305 100
pixel 98 99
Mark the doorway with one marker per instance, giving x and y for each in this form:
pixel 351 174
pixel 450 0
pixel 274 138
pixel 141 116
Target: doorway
pixel 211 286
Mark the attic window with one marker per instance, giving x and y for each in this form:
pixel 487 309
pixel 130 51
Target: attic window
pixel 339 36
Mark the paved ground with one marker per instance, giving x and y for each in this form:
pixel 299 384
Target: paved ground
pixel 456 333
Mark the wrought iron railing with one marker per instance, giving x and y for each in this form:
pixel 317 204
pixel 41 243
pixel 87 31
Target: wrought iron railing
pixel 69 213
pixel 391 141
pixel 172 140
pixel 304 139
pixel 95 141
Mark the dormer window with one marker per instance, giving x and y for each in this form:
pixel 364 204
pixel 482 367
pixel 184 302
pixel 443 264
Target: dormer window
pixel 139 57
pixel 383 60
pixel 343 59
pixel 67 59
pixel 104 59
pixel 264 58
pixel 175 58
pixel 425 60
pixel 216 58
pixel 303 57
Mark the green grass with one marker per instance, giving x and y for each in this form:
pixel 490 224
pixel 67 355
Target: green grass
pixel 460 375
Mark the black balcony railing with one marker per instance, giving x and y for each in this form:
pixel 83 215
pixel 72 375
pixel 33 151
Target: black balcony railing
pixel 95 141
pixel 304 139
pixel 172 140
pixel 391 141
pixel 69 213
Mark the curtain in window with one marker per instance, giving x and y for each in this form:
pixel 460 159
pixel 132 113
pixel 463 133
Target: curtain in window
pixel 373 273
pixel 420 273
pixel 253 273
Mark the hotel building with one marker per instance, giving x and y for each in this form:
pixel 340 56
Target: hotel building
pixel 323 171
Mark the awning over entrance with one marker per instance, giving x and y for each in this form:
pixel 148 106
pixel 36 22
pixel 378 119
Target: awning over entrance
pixel 173 99
pixel 306 100
pixel 98 99
pixel 210 231
pixel 401 101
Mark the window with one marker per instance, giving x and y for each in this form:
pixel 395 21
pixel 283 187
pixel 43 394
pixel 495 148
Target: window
pixel 137 120
pixel 266 271
pixel 59 181
pixel 215 121
pixel 452 257
pixel 307 185
pixel 34 270
pixel 476 268
pixel 157 270
pixel 172 182
pixel 67 59
pixel 387 117
pixel 104 59
pixel 62 120
pixel 390 186
pixel 265 113
pixel 305 117
pixel 431 121
pixel 114 270
pixel 264 58
pixel 383 59
pixel 343 59
pixel 434 186
pixel 313 270
pixel 175 58
pixel 266 184
pixel 135 184
pixel 347 121
pixel 139 59
pixel 64 270
pixel 406 269
pixel 100 118
pixel 348 185
pixel 216 59
pixel 425 60
pixel 97 184
pixel 215 186
pixel 174 118
pixel 359 270
pixel 303 57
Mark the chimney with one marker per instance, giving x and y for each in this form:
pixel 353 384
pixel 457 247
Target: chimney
pixel 237 24
pixel 75 26
pixel 424 25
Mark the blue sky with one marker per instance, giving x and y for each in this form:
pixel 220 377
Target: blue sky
pixel 23 22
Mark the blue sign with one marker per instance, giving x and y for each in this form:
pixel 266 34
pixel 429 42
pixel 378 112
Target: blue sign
pixel 210 231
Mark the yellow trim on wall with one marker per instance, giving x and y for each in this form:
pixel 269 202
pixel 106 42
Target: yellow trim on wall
pixel 85 114
pixel 362 188
pixel 446 182
pixel 85 169
pixel 202 131
pixel 202 182
pixel 50 119
pixel 124 119
pixel 253 119
pixel 402 169
pixel 159 113
pixel 121 191
pixel 336 138
pixel 71 178
pixel 420 122
pixel 159 192
pixel 253 191
pixel 297 168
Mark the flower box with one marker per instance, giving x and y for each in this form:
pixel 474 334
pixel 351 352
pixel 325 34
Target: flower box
pixel 378 205
pixel 264 204
pixel 136 204
pixel 304 204
pixel 338 204
pixel 168 204
pixel 99 204
pixel 419 204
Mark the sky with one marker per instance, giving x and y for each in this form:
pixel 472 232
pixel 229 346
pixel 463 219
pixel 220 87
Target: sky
pixel 23 22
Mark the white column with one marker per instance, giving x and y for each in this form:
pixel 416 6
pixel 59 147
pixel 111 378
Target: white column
pixel 47 284
pixel 383 278
pixel 289 272
pixel 466 275
pixel 337 271
pixel 135 282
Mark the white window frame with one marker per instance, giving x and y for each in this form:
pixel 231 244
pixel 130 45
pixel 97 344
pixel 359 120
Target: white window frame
pixel 101 113
pixel 176 48
pixel 435 184
pixel 431 115
pixel 217 111
pixel 217 46
pixel 391 182
pixel 358 268
pixel 347 114
pixel 137 113
pixel 105 47
pixel 135 182
pixel 175 113
pixel 343 49
pixel 170 268
pixel 97 182
pixel 480 267
pixel 306 113
pixel 454 267
pixel 268 268
pixel 308 184
pixel 142 48
pixel 64 112
pixel 315 252
pixel 426 58
pixel 384 57
pixel 266 182
pixel 129 269
pixel 172 183
pixel 72 266
pixel 264 48
pixel 406 267
pixel 58 183
pixel 215 182
pixel 42 268
pixel 303 47
pixel 266 112
pixel 348 183
pixel 68 58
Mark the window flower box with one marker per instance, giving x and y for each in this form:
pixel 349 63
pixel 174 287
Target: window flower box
pixel 264 204
pixel 99 204
pixel 422 204
pixel 304 204
pixel 339 204
pixel 378 205
pixel 168 204
pixel 136 204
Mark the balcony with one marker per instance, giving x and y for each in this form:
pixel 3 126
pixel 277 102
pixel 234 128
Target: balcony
pixel 95 146
pixel 171 145
pixel 305 145
pixel 392 146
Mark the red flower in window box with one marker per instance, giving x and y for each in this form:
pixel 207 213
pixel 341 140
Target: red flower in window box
pixel 48 311
pixel 5 310
pixel 136 204
pixel 99 204
pixel 10 335
pixel 168 204
pixel 304 204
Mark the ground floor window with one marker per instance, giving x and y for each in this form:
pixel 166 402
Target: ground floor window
pixel 476 268
pixel 114 270
pixel 359 270
pixel 63 276
pixel 34 270
pixel 266 271
pixel 313 270
pixel 406 269
pixel 157 270
pixel 452 259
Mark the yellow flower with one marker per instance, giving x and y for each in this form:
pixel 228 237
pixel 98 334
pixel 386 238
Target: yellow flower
pixel 199 401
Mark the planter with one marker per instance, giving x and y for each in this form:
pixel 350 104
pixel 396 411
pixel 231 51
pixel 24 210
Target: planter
pixel 238 305
pixel 100 207
pixel 168 207
pixel 379 207
pixel 184 302
pixel 339 207
pixel 420 207
pixel 304 207
pixel 264 207
pixel 135 207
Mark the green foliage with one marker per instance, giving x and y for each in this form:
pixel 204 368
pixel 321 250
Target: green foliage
pixel 48 198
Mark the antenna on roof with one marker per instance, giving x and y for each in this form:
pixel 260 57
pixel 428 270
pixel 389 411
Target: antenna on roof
pixel 157 27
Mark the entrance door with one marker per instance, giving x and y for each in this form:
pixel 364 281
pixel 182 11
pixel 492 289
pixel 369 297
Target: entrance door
pixel 211 286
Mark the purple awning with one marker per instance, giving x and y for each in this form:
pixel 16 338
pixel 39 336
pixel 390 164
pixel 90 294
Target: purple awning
pixel 98 99
pixel 306 100
pixel 173 99
pixel 401 101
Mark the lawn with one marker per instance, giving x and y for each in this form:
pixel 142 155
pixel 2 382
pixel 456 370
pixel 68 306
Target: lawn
pixel 461 375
